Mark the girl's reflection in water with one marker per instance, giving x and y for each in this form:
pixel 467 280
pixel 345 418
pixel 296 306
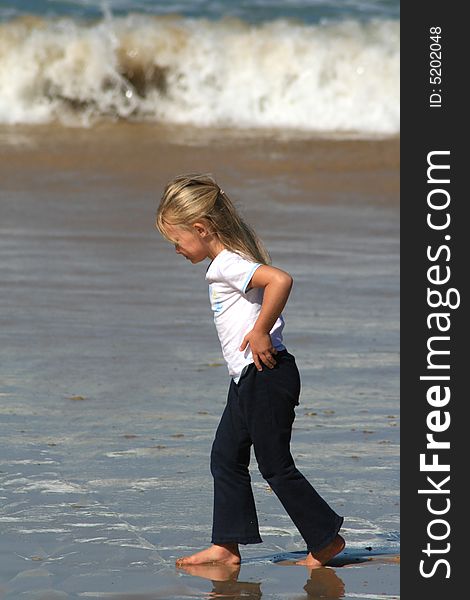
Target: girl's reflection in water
pixel 322 584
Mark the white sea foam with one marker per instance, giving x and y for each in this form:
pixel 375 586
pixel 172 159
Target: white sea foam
pixel 337 77
pixel 45 486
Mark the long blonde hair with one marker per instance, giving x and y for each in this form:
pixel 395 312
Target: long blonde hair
pixel 192 198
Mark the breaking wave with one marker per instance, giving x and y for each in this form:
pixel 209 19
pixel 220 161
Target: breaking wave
pixel 327 77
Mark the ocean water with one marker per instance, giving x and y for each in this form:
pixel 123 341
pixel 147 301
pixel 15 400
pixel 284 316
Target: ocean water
pixel 112 380
pixel 308 11
pixel 322 67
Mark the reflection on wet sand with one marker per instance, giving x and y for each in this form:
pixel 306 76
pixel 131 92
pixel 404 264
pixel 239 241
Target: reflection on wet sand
pixel 225 581
pixel 322 583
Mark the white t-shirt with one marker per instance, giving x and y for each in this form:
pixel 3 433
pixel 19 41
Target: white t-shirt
pixel 236 309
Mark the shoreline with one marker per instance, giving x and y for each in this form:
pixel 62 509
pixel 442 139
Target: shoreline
pixel 366 170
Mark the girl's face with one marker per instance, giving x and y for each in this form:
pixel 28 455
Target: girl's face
pixel 191 243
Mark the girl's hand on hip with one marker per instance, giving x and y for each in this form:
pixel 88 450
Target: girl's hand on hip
pixel 261 347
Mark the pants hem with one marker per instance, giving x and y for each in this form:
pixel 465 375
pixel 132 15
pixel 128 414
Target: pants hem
pixel 328 539
pixel 237 540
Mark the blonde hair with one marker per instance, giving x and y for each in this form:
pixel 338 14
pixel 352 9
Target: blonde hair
pixel 189 199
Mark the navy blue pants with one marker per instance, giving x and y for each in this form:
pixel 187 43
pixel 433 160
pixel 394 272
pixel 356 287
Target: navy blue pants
pixel 260 412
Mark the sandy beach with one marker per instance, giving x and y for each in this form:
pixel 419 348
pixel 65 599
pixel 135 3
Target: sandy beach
pixel 112 380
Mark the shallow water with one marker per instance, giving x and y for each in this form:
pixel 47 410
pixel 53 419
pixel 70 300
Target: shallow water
pixel 112 377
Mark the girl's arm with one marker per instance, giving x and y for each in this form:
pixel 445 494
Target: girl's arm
pixel 277 285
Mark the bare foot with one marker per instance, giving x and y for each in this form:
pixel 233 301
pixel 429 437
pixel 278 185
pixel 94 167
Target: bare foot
pixel 320 558
pixel 225 554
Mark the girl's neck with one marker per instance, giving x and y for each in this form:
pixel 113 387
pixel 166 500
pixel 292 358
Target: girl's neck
pixel 214 247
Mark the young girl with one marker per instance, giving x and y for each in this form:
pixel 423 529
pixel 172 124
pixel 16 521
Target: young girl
pixel 247 297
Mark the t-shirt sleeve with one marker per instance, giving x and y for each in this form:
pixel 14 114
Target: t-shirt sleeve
pixel 237 272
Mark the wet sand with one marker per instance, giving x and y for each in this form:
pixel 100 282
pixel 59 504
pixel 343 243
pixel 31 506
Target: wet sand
pixel 111 373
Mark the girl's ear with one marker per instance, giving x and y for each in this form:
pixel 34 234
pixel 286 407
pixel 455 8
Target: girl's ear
pixel 201 229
